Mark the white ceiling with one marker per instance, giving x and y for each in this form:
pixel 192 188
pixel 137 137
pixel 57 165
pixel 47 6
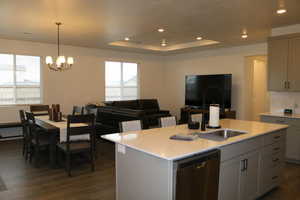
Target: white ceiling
pixel 97 23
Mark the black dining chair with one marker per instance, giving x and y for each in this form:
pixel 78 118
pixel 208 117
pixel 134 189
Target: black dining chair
pixel 71 147
pixel 38 139
pixel 26 141
pixel 39 110
pixel 78 110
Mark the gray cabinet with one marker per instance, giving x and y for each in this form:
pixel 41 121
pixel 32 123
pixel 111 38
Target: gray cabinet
pixel 251 168
pixel 284 63
pixel 292 151
pixel 277 64
pixel 294 64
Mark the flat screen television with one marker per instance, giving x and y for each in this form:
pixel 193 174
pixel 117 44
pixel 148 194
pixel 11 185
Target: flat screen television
pixel 203 90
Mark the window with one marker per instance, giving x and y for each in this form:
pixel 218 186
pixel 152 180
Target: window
pixel 121 81
pixel 19 79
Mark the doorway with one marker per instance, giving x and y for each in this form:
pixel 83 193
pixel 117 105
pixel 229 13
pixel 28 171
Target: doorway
pixel 257 97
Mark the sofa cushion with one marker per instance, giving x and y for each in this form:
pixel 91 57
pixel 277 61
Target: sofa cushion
pixel 150 105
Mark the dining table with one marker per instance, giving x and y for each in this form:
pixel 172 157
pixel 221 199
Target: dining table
pixel 57 132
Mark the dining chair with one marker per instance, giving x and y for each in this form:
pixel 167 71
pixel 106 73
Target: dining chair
pixel 39 110
pixel 71 147
pixel 134 125
pixel 38 139
pixel 94 111
pixel 24 123
pixel 78 110
pixel 167 121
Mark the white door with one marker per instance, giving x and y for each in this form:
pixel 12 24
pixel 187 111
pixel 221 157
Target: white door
pixel 249 176
pixel 229 181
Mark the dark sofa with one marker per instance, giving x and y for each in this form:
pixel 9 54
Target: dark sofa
pixel 114 112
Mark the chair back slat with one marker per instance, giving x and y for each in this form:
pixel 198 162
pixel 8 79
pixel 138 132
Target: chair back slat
pixel 87 127
pixel 78 110
pixel 167 121
pixel 196 117
pixel 39 109
pixel 134 125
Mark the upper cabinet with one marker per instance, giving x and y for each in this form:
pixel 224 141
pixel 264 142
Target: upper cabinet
pixel 294 64
pixel 284 63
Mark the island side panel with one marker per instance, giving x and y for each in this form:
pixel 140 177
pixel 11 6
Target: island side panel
pixel 140 176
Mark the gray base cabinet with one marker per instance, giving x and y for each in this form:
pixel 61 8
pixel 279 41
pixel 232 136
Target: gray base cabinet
pixel 292 151
pixel 251 168
pixel 248 169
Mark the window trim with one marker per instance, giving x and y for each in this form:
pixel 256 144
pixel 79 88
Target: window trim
pixel 122 86
pixel 41 86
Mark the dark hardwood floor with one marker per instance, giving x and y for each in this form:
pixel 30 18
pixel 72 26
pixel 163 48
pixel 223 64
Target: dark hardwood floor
pixel 21 181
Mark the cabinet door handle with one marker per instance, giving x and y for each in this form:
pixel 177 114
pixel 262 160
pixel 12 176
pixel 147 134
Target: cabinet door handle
pixel 275 160
pixel 246 163
pixel 243 165
pixel 274 177
pixel 277 137
pixel 285 85
pixel 288 85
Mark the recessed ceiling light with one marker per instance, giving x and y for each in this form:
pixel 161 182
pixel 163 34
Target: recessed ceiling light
pixel 126 38
pixel 199 38
pixel 244 35
pixel 163 43
pixel 281 11
pixel 161 30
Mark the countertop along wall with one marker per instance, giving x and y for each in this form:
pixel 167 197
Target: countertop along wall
pixel 218 61
pixel 85 82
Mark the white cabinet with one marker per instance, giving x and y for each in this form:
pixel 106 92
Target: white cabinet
pixel 249 176
pixel 253 168
pixel 229 179
pixel 293 143
pixel 239 178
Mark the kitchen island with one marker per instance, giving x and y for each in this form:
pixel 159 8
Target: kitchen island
pixel 250 163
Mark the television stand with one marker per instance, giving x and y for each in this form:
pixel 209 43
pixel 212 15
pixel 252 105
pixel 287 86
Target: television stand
pixel 185 112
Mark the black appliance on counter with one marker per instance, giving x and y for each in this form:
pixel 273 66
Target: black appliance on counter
pixel 197 177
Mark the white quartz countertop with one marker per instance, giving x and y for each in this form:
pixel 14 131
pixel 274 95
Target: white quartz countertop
pixel 156 141
pixel 278 114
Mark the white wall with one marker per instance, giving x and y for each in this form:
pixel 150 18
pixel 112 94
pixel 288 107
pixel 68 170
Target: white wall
pixel 85 82
pixel 220 61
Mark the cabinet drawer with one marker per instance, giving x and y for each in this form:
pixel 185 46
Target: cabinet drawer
pixel 271 161
pixel 238 149
pixel 273 137
pixel 270 179
pixel 272 149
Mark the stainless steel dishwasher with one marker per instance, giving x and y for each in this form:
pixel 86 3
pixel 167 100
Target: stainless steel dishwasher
pixel 197 177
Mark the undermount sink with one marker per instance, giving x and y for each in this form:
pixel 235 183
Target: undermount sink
pixel 227 133
pixel 221 134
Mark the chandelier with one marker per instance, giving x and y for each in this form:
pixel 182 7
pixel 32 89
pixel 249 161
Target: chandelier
pixel 61 63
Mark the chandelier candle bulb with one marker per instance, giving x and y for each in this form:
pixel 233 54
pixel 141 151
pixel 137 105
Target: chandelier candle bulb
pixel 70 60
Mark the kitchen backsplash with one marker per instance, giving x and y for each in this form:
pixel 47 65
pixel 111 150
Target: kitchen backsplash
pixel 281 100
